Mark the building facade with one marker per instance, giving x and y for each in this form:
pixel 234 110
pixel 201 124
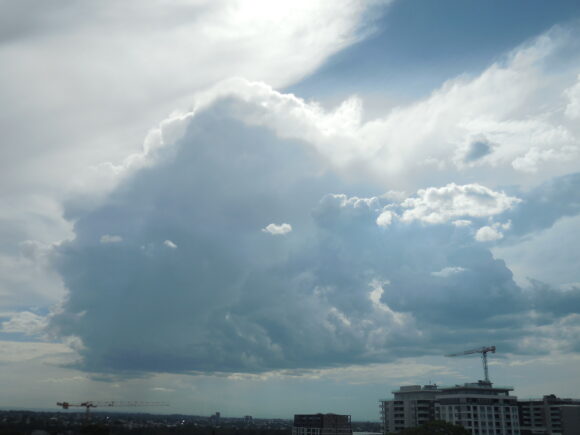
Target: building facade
pixel 479 407
pixel 412 406
pixel 321 424
pixel 550 415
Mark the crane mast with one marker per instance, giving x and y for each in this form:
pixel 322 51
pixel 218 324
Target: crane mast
pixel 483 351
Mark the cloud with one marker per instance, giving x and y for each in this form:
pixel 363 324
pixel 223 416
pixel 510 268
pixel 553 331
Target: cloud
pixel 573 107
pixel 545 204
pixel 102 55
pixel 343 290
pixel 24 323
pixel 385 218
pixel 230 299
pixel 277 230
pixel 170 244
pixel 473 151
pixel 530 161
pixel 446 272
pixel 488 234
pixel 438 205
pixel 107 238
pixel 461 222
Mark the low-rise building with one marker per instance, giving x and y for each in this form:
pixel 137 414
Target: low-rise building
pixel 321 424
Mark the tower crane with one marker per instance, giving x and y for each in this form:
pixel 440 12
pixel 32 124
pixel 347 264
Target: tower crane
pixel 483 351
pixel 106 404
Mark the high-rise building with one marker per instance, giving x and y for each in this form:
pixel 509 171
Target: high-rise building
pixel 550 415
pixel 321 424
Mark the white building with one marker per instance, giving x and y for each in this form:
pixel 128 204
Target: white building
pixel 479 407
pixel 412 406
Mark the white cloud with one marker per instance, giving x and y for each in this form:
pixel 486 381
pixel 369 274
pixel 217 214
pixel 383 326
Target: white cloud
pixel 473 127
pixel 531 160
pixel 14 351
pixel 118 61
pixel 438 205
pixel 385 218
pixel 488 234
pixel 105 54
pixel 573 94
pixel 108 238
pixel 170 244
pixel 24 322
pixel 375 295
pixel 446 272
pixel 277 230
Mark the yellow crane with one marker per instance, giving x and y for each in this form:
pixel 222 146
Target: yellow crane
pixel 106 404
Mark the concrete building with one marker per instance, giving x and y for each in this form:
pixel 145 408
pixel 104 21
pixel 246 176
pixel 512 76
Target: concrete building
pixel 412 406
pixel 550 415
pixel 321 424
pixel 479 407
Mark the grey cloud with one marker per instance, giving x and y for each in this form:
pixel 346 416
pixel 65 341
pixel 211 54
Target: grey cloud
pixel 545 204
pixel 233 298
pixel 477 149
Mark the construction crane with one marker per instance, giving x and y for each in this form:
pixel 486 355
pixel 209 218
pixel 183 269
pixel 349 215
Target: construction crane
pixel 106 404
pixel 483 351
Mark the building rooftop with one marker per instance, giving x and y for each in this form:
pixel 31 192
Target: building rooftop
pixel 416 388
pixel 482 385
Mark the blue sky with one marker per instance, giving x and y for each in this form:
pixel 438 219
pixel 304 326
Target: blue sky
pixel 417 45
pixel 307 204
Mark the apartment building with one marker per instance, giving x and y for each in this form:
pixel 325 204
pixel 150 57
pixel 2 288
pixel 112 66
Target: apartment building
pixel 550 415
pixel 479 407
pixel 412 406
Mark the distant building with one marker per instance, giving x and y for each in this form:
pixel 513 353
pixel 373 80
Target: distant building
pixel 215 419
pixel 550 415
pixel 479 407
pixel 248 419
pixel 321 424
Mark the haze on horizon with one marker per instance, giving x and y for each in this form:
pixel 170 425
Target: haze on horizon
pixel 268 207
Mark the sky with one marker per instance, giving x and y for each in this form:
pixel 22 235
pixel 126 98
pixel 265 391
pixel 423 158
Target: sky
pixel 267 207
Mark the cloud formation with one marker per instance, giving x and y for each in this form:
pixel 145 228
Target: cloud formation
pixel 95 77
pixel 438 205
pixel 277 230
pixel 107 238
pixel 361 280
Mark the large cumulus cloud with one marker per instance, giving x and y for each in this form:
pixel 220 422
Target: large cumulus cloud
pixel 188 281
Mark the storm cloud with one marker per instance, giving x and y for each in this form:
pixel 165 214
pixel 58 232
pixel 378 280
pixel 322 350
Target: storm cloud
pixel 344 286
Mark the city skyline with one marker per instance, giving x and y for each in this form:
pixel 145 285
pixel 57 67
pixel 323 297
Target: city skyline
pixel 277 208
